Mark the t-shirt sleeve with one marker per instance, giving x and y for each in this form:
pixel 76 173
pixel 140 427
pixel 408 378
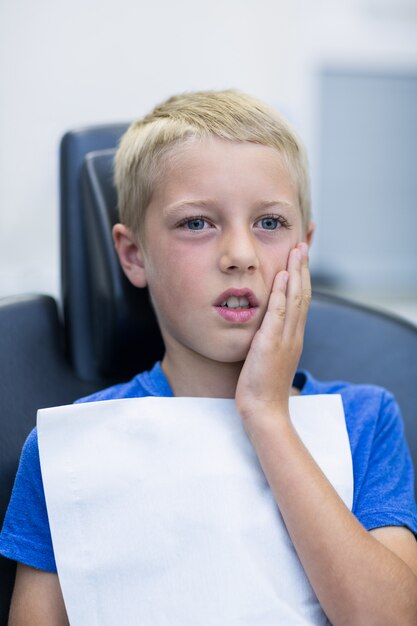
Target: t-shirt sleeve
pixel 384 495
pixel 26 536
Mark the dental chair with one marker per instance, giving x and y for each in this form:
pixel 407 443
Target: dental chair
pixel 104 331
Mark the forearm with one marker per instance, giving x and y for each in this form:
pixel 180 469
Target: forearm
pixel 37 599
pixel 355 577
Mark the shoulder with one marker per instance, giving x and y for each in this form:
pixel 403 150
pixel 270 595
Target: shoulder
pixel 149 383
pixel 29 476
pixel 30 450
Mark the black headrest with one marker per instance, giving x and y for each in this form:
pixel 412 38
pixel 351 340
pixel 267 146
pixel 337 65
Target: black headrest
pixel 125 336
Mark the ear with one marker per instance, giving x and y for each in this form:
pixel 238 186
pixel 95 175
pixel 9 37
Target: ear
pixel 130 254
pixel 309 235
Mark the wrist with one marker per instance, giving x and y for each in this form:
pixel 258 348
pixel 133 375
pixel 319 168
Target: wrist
pixel 263 422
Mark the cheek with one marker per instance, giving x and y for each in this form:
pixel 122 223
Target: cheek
pixel 174 275
pixel 274 262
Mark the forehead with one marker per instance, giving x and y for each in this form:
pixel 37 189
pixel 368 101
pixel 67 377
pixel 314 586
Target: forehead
pixel 221 169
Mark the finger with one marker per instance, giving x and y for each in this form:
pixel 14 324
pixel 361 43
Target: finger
pixel 274 319
pixel 305 286
pixel 294 293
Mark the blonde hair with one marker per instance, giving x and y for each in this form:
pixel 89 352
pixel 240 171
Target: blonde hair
pixel 230 115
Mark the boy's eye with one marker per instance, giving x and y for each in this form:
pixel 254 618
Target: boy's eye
pixel 269 222
pixel 195 223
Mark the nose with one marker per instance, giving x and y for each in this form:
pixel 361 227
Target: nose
pixel 238 253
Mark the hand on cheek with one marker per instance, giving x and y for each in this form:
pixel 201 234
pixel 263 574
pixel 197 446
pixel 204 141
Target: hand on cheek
pixel 265 382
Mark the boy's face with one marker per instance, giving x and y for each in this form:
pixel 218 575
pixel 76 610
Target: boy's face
pixel 220 225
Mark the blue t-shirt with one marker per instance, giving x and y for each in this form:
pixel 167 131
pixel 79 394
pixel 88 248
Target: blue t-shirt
pixel 382 469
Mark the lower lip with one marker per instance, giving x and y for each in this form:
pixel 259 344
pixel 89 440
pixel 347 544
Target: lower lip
pixel 238 316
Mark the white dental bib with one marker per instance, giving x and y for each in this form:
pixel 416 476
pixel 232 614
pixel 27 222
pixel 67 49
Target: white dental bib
pixel 161 515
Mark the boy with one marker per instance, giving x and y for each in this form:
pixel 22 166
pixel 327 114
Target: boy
pixel 215 220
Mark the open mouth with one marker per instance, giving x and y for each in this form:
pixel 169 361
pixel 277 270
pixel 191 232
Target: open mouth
pixel 238 306
pixel 237 299
pixel 235 302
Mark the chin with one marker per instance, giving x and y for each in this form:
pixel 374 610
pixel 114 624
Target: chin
pixel 233 352
pixel 230 356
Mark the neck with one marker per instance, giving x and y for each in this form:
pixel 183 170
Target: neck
pixel 194 376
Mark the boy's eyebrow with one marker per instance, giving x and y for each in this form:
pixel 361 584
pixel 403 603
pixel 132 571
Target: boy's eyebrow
pixel 183 204
pixel 264 204
pixel 281 204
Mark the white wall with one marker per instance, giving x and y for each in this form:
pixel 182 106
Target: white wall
pixel 64 65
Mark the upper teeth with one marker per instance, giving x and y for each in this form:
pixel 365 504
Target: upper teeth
pixel 236 303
